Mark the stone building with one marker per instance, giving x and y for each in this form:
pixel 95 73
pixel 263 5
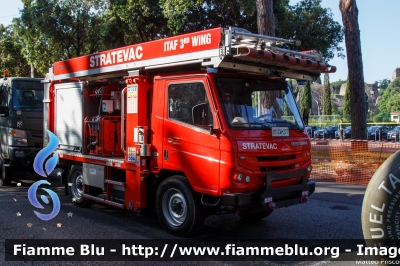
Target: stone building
pixel 396 73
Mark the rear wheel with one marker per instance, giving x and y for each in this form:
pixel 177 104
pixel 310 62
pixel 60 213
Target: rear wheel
pixel 178 207
pixel 6 175
pixel 75 187
pixel 255 215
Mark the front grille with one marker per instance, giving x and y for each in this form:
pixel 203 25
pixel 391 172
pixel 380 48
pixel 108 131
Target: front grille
pixel 275 158
pixel 276 168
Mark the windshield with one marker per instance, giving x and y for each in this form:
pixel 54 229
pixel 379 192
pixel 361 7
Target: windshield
pixel 258 103
pixel 27 95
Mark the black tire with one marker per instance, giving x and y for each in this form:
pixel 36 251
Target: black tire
pixel 255 215
pixel 75 187
pixel 330 136
pixel 6 175
pixel 178 207
pixel 381 203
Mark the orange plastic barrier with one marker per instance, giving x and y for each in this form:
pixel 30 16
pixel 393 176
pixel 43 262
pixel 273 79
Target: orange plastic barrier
pixel 349 161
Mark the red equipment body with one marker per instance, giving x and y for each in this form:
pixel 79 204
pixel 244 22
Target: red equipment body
pixel 195 124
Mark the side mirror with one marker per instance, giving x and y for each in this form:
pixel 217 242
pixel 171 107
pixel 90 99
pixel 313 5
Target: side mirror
pixel 201 116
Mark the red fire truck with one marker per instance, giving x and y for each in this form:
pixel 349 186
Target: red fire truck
pixel 192 125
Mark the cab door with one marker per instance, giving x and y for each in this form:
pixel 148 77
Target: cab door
pixel 188 145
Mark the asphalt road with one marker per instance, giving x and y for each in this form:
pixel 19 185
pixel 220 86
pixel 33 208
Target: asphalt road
pixel 333 212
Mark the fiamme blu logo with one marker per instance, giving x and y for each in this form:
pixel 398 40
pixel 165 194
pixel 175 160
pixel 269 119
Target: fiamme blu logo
pixel 45 162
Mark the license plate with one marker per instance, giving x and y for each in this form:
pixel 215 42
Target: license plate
pixel 280 131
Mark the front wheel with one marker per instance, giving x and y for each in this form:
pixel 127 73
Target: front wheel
pixel 6 175
pixel 178 207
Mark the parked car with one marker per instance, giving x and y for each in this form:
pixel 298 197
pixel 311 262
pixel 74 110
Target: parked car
pixel 394 134
pixel 346 133
pixel 327 132
pixel 311 130
pixel 377 133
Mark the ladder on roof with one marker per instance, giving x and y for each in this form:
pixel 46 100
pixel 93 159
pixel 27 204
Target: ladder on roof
pixel 238 37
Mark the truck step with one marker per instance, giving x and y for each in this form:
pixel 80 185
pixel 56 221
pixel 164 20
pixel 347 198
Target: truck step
pixel 101 200
pixel 114 183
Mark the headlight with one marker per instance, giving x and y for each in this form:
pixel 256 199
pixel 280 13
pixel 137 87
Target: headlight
pixel 17 137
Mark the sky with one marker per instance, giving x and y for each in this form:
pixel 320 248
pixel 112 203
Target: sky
pixel 379 26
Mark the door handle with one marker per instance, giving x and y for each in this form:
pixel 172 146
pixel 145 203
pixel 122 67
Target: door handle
pixel 166 155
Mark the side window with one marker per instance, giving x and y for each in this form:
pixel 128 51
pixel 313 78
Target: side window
pixel 182 97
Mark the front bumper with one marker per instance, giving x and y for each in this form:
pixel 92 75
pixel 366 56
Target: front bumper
pixel 20 156
pixel 281 197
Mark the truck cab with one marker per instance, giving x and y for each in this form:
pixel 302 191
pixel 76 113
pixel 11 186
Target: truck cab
pixel 226 132
pixel 21 124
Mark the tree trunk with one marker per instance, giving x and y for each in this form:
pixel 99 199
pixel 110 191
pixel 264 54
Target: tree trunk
pixel 265 17
pixel 32 71
pixel 349 11
pixel 266 26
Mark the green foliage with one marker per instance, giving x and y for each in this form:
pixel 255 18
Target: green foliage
pixel 188 16
pixel 390 101
pixel 11 58
pixel 383 84
pixel 296 92
pixel 314 26
pixel 382 117
pixel 54 30
pixel 347 102
pixel 306 99
pixel 326 97
pixel 133 21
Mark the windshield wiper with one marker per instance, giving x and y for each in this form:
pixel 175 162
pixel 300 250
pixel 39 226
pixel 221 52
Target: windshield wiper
pixel 287 121
pixel 251 124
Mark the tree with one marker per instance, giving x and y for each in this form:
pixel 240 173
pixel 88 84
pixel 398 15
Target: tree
pixel 383 84
pixel 265 17
pixel 349 11
pixel 306 99
pixel 188 15
pixel 326 97
pixel 314 26
pixel 307 21
pixel 347 100
pixel 11 58
pixel 57 30
pixel 133 21
pixel 390 101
